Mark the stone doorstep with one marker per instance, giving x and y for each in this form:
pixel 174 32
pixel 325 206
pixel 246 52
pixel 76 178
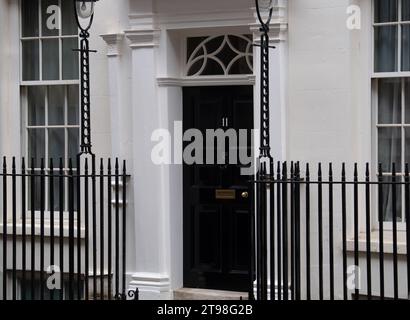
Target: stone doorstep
pixel 205 294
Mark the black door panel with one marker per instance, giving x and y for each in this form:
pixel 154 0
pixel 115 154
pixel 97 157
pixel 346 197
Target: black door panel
pixel 216 196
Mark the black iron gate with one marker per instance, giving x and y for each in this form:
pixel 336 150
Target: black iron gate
pixel 64 230
pixel 324 236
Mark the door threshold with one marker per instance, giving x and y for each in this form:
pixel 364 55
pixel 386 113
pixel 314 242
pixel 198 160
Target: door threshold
pixel 208 294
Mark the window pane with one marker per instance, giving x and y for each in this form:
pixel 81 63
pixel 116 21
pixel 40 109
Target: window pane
pixel 73 143
pixel 69 23
pixel 389 149
pixel 36 106
pixel 70 59
pixel 240 67
pixel 36 193
pixel 407 100
pixel 56 144
pixel 56 105
pixel 389 96
pixel 50 17
pixel 406 10
pixel 51 59
pixel 73 102
pixel 407 146
pixel 213 68
pixel 388 199
pixel 385 49
pixel 405 51
pixel 385 10
pixel 56 186
pixel 29 18
pixel 30 59
pixel 36 145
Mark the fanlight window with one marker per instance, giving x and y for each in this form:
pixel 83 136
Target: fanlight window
pixel 219 55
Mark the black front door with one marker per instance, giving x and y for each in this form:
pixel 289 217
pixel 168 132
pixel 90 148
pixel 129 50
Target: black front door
pixel 217 196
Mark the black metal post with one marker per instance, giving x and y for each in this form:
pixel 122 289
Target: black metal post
pixel 265 168
pixel 85 149
pixel 85 81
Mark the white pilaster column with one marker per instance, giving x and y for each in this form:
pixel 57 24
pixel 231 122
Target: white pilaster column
pixel 119 110
pixel 9 80
pixel 151 275
pixel 121 126
pixel 3 73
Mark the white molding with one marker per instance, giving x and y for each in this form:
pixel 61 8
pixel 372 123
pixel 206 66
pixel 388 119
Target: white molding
pixel 37 228
pixel 114 42
pixel 49 82
pixel 399 74
pixel 141 21
pixel 206 81
pixel 374 242
pixel 143 38
pixel 151 286
pixel 194 19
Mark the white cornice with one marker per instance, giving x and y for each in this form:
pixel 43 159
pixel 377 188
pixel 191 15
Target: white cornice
pixel 143 38
pixel 114 42
pixel 213 19
pixel 195 19
pixel 206 81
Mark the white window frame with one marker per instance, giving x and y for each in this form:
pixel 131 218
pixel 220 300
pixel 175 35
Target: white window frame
pixel 46 83
pixel 212 56
pixel 46 127
pixel 375 76
pixel 40 37
pixel 240 79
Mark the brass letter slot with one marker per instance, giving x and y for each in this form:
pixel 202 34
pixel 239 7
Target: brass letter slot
pixel 225 194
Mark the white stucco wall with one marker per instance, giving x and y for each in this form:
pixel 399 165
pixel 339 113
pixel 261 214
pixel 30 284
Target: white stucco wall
pixel 319 82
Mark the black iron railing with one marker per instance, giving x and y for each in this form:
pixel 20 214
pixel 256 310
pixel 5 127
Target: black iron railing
pixel 64 230
pixel 328 236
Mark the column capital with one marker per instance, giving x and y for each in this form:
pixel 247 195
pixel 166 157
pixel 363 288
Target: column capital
pixel 143 38
pixel 278 25
pixel 114 41
pixel 277 31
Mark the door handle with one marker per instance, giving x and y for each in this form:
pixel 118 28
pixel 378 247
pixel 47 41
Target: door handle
pixel 245 195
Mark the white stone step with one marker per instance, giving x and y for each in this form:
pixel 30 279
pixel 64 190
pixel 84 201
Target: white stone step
pixel 205 294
